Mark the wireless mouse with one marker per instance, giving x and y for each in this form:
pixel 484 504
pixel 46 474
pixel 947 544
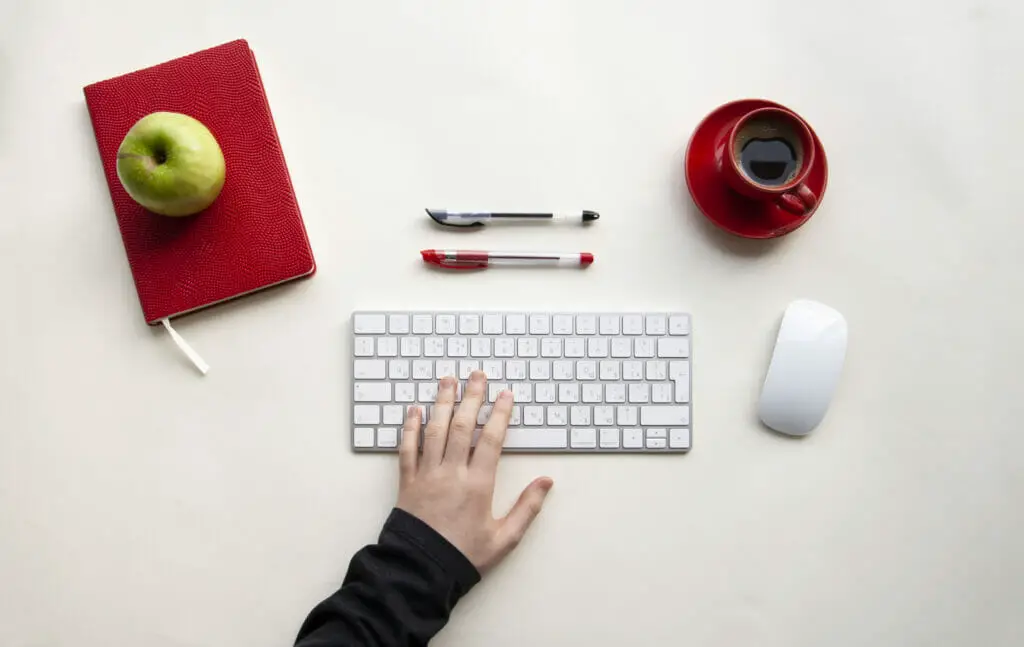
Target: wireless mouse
pixel 802 376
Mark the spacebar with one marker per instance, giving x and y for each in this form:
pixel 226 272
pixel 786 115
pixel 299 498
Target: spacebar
pixel 536 438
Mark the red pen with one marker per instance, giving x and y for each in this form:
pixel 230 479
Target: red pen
pixel 474 260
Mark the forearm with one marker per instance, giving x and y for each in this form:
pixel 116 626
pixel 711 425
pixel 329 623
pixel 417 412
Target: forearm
pixel 397 592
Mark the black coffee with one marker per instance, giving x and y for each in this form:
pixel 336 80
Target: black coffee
pixel 768 161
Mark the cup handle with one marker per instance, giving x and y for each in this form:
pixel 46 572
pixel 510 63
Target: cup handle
pixel 798 201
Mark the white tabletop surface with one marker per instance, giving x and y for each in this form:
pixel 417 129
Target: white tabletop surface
pixel 141 504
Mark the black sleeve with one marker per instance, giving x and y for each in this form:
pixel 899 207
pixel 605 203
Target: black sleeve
pixel 398 592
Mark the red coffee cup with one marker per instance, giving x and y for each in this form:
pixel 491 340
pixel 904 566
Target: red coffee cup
pixel 767 155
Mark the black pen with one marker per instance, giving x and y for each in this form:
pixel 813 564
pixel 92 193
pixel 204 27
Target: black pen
pixel 477 218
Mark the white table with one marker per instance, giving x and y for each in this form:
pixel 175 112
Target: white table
pixel 143 504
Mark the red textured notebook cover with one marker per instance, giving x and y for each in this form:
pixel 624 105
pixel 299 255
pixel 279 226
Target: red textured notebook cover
pixel 252 236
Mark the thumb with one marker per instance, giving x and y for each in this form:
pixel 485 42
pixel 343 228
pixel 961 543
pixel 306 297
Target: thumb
pixel 526 509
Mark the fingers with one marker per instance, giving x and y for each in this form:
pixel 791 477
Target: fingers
pixel 518 520
pixel 408 453
pixel 464 424
pixel 488 448
pixel 435 438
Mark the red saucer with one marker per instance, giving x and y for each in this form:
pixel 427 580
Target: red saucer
pixel 729 210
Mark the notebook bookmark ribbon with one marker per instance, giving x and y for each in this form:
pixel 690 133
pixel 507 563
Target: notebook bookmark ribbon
pixel 185 348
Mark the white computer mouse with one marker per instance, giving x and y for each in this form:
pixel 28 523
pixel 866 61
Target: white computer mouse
pixel 805 367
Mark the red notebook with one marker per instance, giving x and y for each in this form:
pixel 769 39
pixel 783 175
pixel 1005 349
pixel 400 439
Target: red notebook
pixel 252 236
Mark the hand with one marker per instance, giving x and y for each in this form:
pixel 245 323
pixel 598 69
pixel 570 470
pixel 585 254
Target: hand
pixel 451 488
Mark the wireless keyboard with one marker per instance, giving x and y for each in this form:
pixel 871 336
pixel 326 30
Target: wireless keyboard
pixel 582 382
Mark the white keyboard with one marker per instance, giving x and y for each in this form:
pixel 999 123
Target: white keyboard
pixel 582 382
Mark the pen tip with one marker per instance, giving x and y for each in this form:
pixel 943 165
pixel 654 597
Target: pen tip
pixel 590 216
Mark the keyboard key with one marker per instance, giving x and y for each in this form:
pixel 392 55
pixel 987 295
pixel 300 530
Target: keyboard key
pixel 604 415
pixel 597 347
pixel 394 414
pixel 480 346
pixel 673 347
pixel 679 325
pixel 678 416
pixel 643 347
pixel 372 392
pixel 363 437
pixel 640 393
pixel 579 415
pixel 536 438
pixel 610 370
pixel 493 389
pixel 632 370
pixel 493 324
pixel 515 369
pixel 527 347
pixel 516 417
pixel 466 368
pixel 411 346
pixel 469 324
pixel 364 347
pixel 626 415
pixel 632 438
pixel 568 392
pixel 398 369
pixel 678 370
pixel 586 325
pixel 387 346
pixel 586 370
pixel 661 393
pixel 405 392
pixel 562 325
pixel 540 369
pixel 364 324
pixel 445 325
pixel 445 368
pixel 433 347
pixel 422 324
pixel 540 325
pixel 484 414
pixel 369 369
pixel 366 414
pixel 427 392
pixel 458 347
pixel 533 416
pixel 657 370
pixel 551 347
pixel 609 438
pixel 504 347
pixel 522 392
pixel 656 325
pixel 515 325
pixel 608 325
pixel 679 438
pixel 545 392
pixel 558 416
pixel 622 347
pixel 656 443
pixel 615 393
pixel 494 369
pixel 584 438
pixel 387 437
pixel 574 347
pixel 632 325
pixel 682 390
pixel 398 324
pixel 592 392
pixel 563 370
pixel 657 433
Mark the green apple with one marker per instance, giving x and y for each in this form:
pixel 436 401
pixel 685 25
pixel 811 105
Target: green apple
pixel 171 164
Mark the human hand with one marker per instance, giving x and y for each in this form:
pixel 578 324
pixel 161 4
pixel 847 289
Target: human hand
pixel 451 488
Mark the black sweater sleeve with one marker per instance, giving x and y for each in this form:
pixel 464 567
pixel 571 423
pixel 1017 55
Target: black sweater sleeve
pixel 398 592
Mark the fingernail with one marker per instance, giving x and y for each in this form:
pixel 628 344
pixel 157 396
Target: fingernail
pixel 413 410
pixel 505 395
pixel 477 376
pixel 547 484
pixel 448 382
